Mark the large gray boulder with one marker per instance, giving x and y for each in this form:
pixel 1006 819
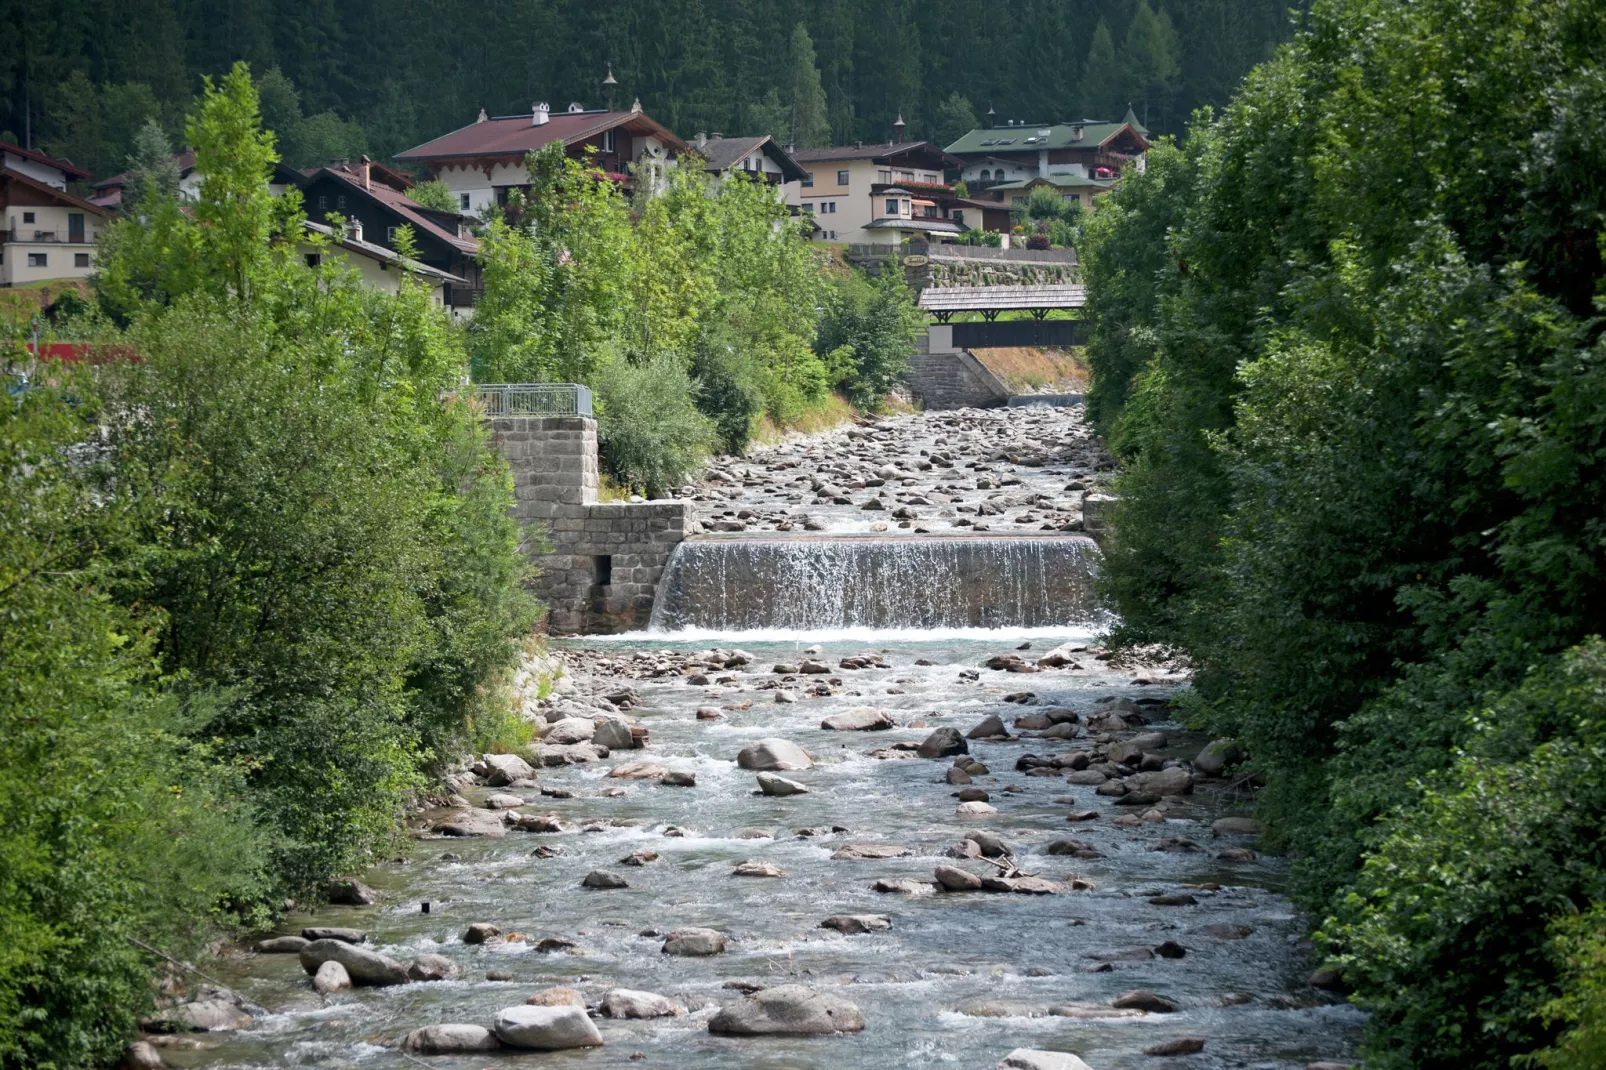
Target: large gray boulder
pixel 774 755
pixel 613 733
pixel 365 967
pixel 281 945
pixel 201 1016
pixel 331 977
pixel 990 726
pixel 787 1010
pixel 1217 756
pixel 570 730
pixel 775 784
pixel 694 943
pixel 1162 782
pixel 470 821
pixel 629 1003
pixel 1036 1059
pixel 545 1028
pixel 942 743
pixel 451 1039
pixel 864 719
pixel 504 769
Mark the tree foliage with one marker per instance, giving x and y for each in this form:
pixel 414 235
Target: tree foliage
pixel 1347 345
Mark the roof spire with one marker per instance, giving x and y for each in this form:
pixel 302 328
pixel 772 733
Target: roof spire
pixel 609 84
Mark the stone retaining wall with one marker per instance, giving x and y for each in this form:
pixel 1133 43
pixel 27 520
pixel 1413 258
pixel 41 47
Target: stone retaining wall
pixel 944 377
pixel 599 562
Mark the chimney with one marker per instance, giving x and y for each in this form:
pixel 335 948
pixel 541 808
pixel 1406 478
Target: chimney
pixel 858 144
pixel 482 117
pixel 715 136
pixel 541 114
pixel 897 129
pixel 701 139
pixel 367 172
pixel 635 106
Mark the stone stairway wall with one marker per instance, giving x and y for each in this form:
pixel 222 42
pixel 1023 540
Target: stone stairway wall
pixel 943 377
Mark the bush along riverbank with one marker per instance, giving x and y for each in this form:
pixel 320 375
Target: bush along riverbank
pixel 1348 348
pixel 256 584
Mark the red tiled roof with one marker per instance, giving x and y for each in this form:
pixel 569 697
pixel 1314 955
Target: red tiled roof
pixel 515 136
pixel 39 157
pixel 52 191
pixel 398 202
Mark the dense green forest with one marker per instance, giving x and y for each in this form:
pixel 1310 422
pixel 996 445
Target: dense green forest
pixel 366 76
pixel 1349 349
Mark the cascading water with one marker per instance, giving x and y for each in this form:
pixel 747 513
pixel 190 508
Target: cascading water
pixel 738 584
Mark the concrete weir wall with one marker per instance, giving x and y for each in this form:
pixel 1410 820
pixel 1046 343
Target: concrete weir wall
pixel 599 562
pixel 943 376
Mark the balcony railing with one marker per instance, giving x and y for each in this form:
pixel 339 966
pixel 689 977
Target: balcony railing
pixel 50 237
pixel 534 399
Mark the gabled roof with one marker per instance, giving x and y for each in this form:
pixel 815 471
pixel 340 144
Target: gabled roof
pixel 722 153
pixel 881 152
pixel 411 213
pixel 60 195
pixel 70 169
pixel 927 224
pixel 185 161
pixel 382 254
pixel 514 136
pixel 1057 181
pixel 1002 298
pixel 991 141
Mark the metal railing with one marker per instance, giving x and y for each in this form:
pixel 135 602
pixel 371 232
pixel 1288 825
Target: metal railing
pixel 43 237
pixel 534 399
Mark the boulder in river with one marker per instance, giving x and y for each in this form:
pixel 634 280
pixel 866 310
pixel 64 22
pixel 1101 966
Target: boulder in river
pixel 1177 1046
pixel 333 932
pixel 752 868
pixel 679 778
pixel 1037 1059
pixel 864 719
pixel 141 1055
pixel 1162 782
pixel 601 879
pixel 775 784
pixel 774 755
pixel 504 769
pixel 545 1028
pixel 480 932
pixel 857 924
pixel 570 730
pixel 954 879
pixel 281 945
pixel 503 802
pixel 199 1016
pixel 975 809
pixel 1217 756
pixel 451 1039
pixel 694 943
pixel 365 967
pixel 331 977
pixel 432 968
pixel 352 893
pixel 856 852
pixel 788 1010
pixel 943 743
pixel 629 1003
pixel 989 728
pixel 637 771
pixel 466 821
pixel 557 996
pixel 1143 1000
pixel 1235 826
pixel 613 733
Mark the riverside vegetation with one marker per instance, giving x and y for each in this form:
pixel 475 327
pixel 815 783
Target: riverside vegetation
pixel 259 583
pixel 1348 348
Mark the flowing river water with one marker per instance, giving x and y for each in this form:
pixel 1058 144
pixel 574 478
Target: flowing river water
pixel 959 979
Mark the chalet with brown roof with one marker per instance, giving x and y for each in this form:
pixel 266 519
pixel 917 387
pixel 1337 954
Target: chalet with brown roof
pixel 880 193
pixel 484 161
pixel 49 233
pixel 758 157
pixel 373 202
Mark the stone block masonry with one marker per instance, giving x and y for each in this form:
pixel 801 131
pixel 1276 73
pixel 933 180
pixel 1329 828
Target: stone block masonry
pixel 599 562
pixel 944 376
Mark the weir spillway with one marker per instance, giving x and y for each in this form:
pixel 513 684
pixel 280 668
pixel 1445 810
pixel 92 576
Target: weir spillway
pixel 750 582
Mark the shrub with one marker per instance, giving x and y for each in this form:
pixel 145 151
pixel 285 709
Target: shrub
pixel 651 434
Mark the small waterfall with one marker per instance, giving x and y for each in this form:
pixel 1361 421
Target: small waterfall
pixel 744 583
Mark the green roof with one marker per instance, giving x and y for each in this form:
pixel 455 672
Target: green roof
pixel 1059 182
pixel 1032 138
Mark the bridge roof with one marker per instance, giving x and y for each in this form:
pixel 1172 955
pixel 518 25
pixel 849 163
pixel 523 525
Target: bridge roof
pixel 1001 298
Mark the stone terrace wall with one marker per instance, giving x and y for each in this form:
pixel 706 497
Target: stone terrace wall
pixel 599 562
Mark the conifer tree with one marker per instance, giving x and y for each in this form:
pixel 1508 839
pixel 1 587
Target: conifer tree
pixel 810 124
pixel 1100 92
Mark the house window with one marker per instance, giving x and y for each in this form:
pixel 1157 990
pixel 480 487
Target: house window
pixel 808 206
pixel 462 201
pixel 833 234
pixel 607 142
pixel 390 234
pixel 80 260
pixel 986 175
pixel 340 203
pixel 313 260
pixel 842 178
pixel 959 216
pixel 323 202
pixel 27 217
pixel 808 179
pixel 892 206
pixel 38 260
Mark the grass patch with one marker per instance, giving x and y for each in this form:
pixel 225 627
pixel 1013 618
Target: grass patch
pixel 832 410
pixel 1027 369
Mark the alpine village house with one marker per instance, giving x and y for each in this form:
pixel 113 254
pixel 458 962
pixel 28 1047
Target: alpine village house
pixel 49 233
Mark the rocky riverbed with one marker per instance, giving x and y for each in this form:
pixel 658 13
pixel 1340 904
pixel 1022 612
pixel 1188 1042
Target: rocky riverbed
pixel 1012 470
pixel 849 848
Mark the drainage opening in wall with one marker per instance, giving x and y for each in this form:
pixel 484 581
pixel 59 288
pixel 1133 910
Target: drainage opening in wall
pixel 602 569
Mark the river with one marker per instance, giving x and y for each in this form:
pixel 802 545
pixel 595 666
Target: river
pixel 959 978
